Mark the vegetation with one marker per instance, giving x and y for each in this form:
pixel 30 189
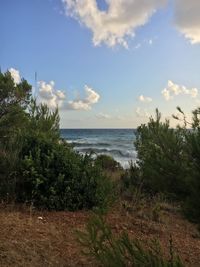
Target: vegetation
pixel 192 137
pixel 100 243
pixel 14 99
pixel 162 158
pixel 168 162
pixel 39 168
pixel 107 163
pixel 36 165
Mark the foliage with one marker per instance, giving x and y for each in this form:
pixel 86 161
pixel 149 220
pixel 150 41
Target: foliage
pixel 43 122
pixel 192 203
pixel 107 163
pixel 14 99
pixel 169 160
pixel 36 165
pixel 131 179
pixel 162 158
pixel 98 241
pixel 51 174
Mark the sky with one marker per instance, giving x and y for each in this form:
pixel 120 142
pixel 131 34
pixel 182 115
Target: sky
pixel 105 63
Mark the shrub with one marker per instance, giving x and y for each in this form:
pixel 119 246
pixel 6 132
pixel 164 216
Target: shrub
pixel 169 160
pixel 98 241
pixel 107 163
pixel 192 202
pixel 131 178
pixel 53 176
pixel 162 158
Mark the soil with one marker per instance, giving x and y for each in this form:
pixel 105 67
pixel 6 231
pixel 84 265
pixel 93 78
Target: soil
pixel 34 238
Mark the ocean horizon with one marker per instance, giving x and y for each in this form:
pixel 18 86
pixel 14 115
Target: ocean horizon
pixel 115 142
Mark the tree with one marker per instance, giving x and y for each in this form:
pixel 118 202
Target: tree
pixel 192 137
pixel 14 99
pixel 162 157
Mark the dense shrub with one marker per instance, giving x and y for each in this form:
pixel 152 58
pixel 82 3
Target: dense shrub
pixel 53 176
pixel 99 242
pixel 192 202
pixel 162 158
pixel 35 164
pixel 131 177
pixel 169 160
pixel 107 163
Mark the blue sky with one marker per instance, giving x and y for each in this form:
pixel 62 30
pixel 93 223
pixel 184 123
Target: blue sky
pixel 113 81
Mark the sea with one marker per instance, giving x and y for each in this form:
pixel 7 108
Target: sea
pixel 118 143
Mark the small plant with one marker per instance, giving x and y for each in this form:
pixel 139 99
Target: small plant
pixel 98 241
pixel 156 212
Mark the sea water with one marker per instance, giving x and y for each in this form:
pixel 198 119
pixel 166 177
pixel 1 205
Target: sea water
pixel 118 143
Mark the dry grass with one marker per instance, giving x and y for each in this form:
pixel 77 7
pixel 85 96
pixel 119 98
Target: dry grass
pixel 26 240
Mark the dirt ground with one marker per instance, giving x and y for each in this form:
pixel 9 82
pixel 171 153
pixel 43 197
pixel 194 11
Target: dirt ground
pixel 33 238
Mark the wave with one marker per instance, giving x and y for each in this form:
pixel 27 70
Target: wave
pixel 83 144
pixel 113 152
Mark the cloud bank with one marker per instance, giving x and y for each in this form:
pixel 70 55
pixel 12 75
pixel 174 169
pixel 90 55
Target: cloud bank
pixel 114 25
pixel 173 89
pixel 91 98
pixel 56 98
pixel 50 96
pixel 187 19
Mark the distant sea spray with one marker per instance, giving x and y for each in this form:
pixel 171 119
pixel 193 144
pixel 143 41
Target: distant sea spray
pixel 118 143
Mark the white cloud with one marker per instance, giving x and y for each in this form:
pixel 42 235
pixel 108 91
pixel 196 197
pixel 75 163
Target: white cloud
pixel 142 113
pixel 187 19
pixel 103 116
pixel 166 94
pixel 119 21
pixel 77 105
pixel 173 89
pixel 51 96
pixel 15 75
pixel 57 98
pixel 145 99
pixel 91 98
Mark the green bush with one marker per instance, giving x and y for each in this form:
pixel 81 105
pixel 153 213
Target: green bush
pixel 107 163
pixel 53 176
pixel 192 202
pixel 169 160
pixel 162 158
pixel 98 242
pixel 131 178
pixel 35 164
